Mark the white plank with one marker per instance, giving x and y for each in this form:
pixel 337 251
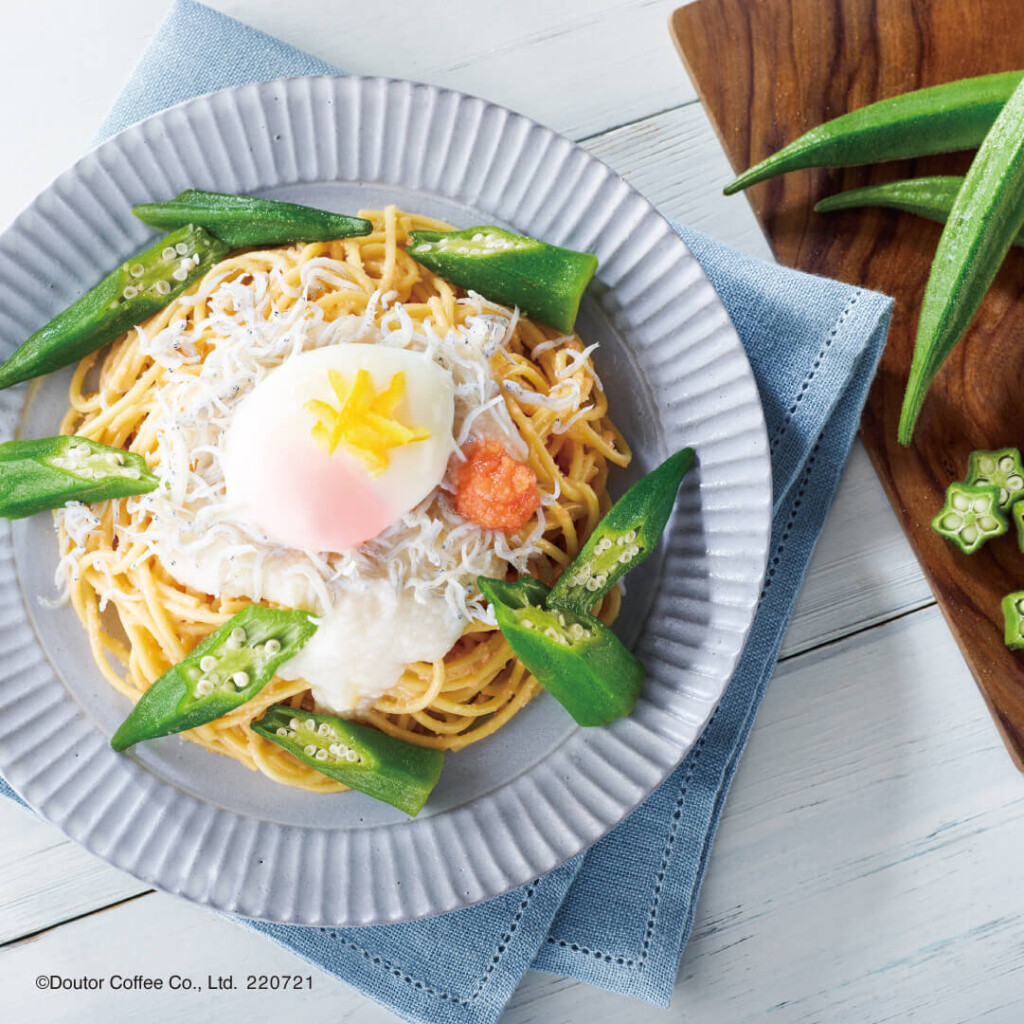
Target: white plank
pixel 46 878
pixel 872 836
pixel 580 66
pixel 863 571
pixel 866 865
pixel 675 160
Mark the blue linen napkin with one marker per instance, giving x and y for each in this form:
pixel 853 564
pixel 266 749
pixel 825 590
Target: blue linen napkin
pixel 618 915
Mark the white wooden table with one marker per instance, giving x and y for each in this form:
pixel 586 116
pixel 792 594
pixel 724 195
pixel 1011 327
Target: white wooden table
pixel 867 867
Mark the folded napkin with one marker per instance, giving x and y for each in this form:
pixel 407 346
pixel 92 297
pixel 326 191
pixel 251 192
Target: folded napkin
pixel 619 914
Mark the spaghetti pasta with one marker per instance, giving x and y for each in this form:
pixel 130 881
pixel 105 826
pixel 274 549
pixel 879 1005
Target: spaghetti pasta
pixel 140 619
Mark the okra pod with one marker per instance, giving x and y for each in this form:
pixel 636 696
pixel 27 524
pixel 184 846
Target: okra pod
pixel 243 221
pixel 986 216
pixel 940 119
pixel 931 198
pixel 544 281
pixel 227 669
pixel 359 756
pixel 47 473
pixel 624 538
pixel 135 291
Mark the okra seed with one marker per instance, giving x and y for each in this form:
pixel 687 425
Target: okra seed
pixel 321 754
pixel 163 287
pixel 181 248
pixel 241 680
pixel 204 687
pixel 272 646
pixel 951 521
pixel 988 524
pixel 208 663
pixel 282 731
pixel 1020 606
pixel 168 253
pixel 130 291
pixel 137 270
pixel 351 755
pixel 969 534
pixel 293 723
pixel 115 459
pixel 1006 464
pixel 593 585
pixel 309 750
pixel 1014 483
pixel 310 724
pixel 987 464
pixel 180 274
pixel 323 729
pixel 238 634
pixel 980 505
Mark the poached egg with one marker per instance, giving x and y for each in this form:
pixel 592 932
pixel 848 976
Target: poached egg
pixel 302 495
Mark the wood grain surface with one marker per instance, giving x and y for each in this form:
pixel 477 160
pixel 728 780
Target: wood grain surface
pixel 768 70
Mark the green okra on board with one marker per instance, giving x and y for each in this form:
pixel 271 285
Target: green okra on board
pixel 987 215
pixel 970 517
pixel 940 119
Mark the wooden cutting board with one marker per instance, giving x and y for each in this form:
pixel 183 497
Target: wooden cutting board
pixel 768 70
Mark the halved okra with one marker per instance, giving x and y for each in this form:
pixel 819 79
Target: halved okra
pixel 364 758
pixel 544 281
pixel 624 538
pixel 135 291
pixel 573 655
pixel 48 472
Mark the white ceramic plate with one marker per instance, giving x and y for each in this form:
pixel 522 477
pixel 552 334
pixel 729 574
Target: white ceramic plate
pixel 540 790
